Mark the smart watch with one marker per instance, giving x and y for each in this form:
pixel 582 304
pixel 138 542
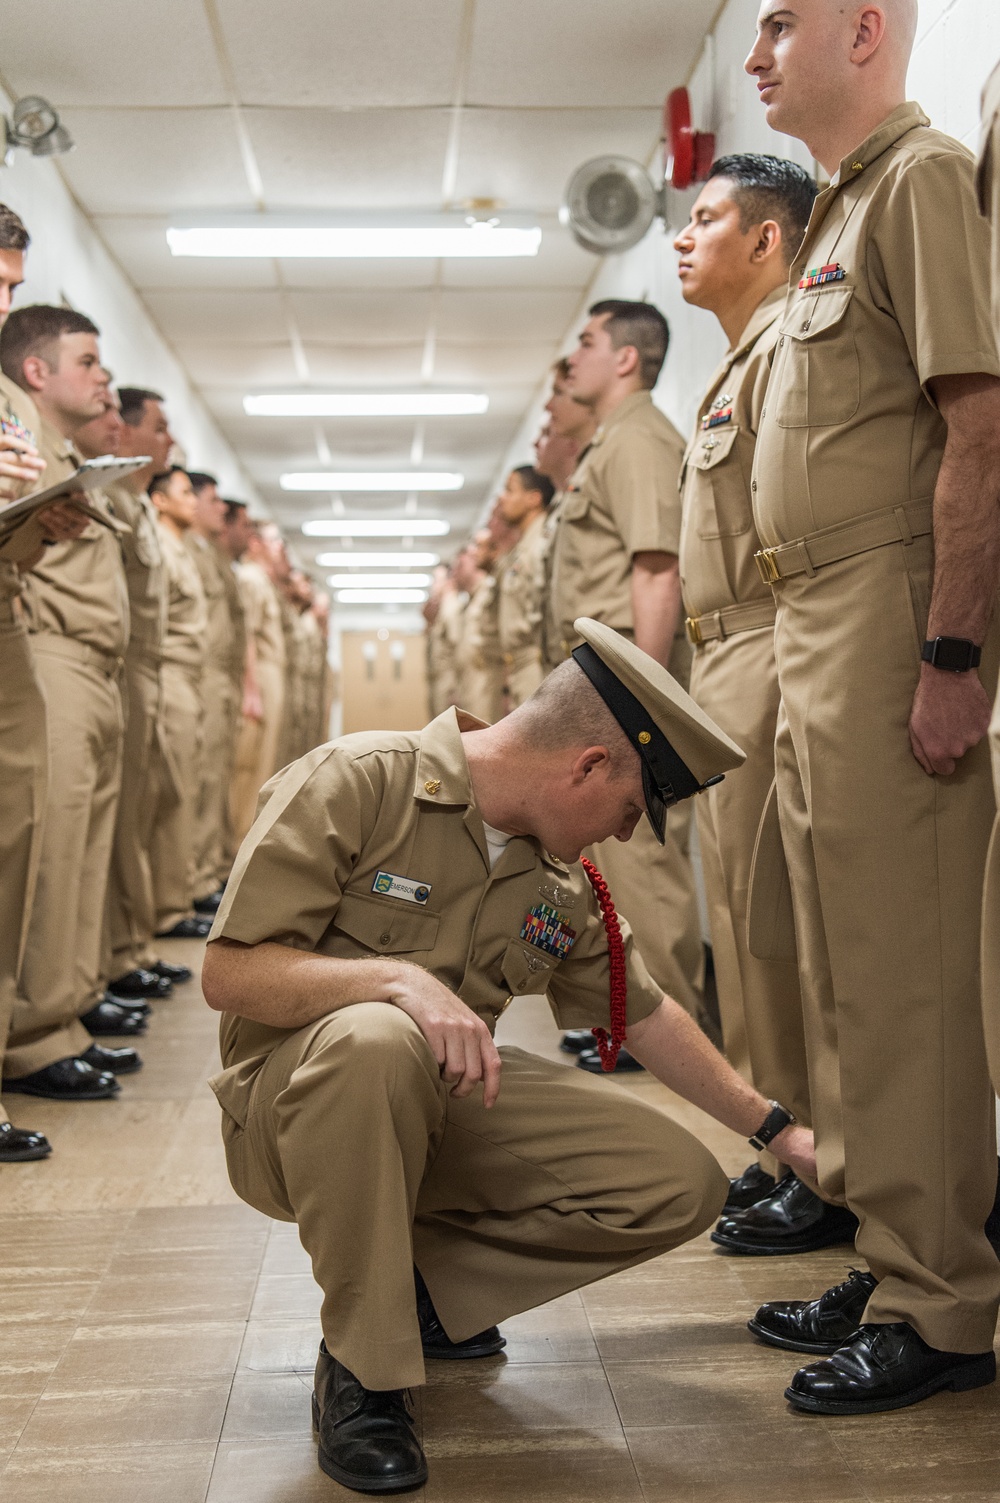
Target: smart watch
pixel 777 1119
pixel 953 654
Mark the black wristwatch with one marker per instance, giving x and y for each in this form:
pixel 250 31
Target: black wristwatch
pixel 777 1119
pixel 953 654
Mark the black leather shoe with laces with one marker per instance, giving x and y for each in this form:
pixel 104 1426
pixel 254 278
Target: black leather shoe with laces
pixel 112 1020
pixel 178 974
pixel 576 1041
pixel 752 1185
pixel 885 1367
pixel 792 1220
pixel 818 1325
pixel 116 1061
pixel 66 1080
pixel 366 1437
pixel 436 1342
pixel 134 986
pixel 189 928
pixel 18 1145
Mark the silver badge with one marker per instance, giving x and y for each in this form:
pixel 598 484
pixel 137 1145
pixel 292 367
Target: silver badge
pixel 561 897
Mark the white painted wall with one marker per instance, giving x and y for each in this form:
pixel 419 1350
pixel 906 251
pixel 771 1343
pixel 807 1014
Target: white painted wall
pixel 958 42
pixel 68 262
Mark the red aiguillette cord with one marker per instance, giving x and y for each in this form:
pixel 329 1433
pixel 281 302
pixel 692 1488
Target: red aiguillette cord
pixel 608 1049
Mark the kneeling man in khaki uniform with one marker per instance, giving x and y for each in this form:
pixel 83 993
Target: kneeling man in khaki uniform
pixel 396 892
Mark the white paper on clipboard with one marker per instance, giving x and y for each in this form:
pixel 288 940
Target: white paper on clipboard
pixel 92 474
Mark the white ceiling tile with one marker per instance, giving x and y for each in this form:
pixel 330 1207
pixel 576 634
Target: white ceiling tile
pixel 116 52
pixel 525 158
pixel 155 161
pixel 228 318
pixel 597 52
pixel 379 272
pixel 140 245
pixel 334 159
pixel 355 317
pixel 364 365
pixel 342 53
pixel 496 364
pixel 560 263
pixel 245 366
pixel 473 316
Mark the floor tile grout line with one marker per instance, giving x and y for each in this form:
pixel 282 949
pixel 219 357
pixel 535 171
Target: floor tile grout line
pixel 614 1400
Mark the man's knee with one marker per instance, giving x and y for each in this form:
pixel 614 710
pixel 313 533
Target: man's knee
pixel 370 1041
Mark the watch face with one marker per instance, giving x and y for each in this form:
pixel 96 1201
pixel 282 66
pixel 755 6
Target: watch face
pixel 954 654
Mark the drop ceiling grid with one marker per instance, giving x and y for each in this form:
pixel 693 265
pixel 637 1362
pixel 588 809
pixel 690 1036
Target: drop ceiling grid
pixel 377 104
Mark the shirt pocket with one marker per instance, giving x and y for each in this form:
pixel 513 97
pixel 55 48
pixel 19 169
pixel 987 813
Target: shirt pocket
pixel 574 507
pixel 723 499
pixel 385 928
pixel 526 970
pixel 819 381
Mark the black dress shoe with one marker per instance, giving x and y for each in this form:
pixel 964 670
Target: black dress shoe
pixel 109 1019
pixel 437 1343
pixel 175 973
pixel 134 986
pixel 208 905
pixel 117 1061
pixel 66 1080
pixel 18 1145
pixel 993 1219
pixel 624 1064
pixel 366 1438
pixel 577 1040
pixel 189 928
pixel 139 1008
pixel 821 1325
pixel 752 1185
pixel 885 1367
pixel 791 1220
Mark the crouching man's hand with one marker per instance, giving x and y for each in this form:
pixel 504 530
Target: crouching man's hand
pixel 461 1041
pixel 796 1147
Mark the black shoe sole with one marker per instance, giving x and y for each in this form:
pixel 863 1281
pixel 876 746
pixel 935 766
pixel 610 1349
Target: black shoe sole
pixel 27 1157
pixel 404 1484
pixel 958 1379
pixel 788 1248
pixel 463 1354
pixel 814 1349
pixel 23 1090
pixel 123 1069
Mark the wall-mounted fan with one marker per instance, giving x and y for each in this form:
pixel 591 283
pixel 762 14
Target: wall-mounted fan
pixel 611 201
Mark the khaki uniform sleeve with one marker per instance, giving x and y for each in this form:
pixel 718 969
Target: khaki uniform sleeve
pixel 290 874
pixel 929 268
pixel 640 483
pixel 580 989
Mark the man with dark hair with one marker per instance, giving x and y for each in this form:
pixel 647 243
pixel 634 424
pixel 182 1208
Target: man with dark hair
pixel 745 228
pixel 614 557
pixel 78 616
pixel 521 584
pixel 221 692
pixel 172 845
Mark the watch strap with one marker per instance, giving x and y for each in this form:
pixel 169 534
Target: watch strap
pixel 952 654
pixel 777 1119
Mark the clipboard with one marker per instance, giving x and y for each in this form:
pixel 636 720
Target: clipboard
pixel 92 474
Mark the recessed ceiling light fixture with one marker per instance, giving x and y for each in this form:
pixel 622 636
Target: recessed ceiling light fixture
pixel 381 597
pixel 371 404
pixel 406 527
pixel 427 236
pixel 352 560
pixel 372 480
pixel 378 581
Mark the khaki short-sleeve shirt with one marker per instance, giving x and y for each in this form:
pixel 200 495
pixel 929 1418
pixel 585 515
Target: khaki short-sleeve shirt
pixel 78 589
pixel 18 415
pixel 478 642
pixel 145 574
pixel 520 591
pixel 718 537
pixel 889 290
pixel 622 500
pixel 219 631
pixel 372 846
pixel 988 179
pixel 262 612
pixel 187 612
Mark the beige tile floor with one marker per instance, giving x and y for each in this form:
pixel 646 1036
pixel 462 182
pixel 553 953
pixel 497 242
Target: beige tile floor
pixel 157 1340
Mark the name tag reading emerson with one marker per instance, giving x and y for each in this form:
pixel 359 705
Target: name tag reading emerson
pixel 391 886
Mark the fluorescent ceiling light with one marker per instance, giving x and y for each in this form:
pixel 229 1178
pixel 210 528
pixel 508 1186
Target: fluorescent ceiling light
pixel 352 560
pixel 379 581
pixel 427 237
pixel 374 404
pixel 372 480
pixel 381 597
pixel 411 527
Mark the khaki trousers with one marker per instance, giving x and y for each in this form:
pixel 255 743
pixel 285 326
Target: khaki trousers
pixel 256 752
pixel 991 918
pixel 653 888
pixel 352 1134
pixel 23 777
pixel 62 958
pixel 172 843
pixel 760 1004
pixel 131 902
pixel 218 750
pixel 524 676
pixel 886 868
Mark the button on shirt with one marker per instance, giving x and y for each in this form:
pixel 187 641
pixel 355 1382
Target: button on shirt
pixel 622 500
pixel 373 846
pixel 848 426
pixel 718 537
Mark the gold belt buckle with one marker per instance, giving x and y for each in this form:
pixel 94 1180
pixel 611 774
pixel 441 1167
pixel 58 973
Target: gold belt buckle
pixel 692 625
pixel 766 566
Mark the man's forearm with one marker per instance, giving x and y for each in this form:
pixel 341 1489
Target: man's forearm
pixel 288 988
pixel 967 510
pixel 656 603
pixel 674 1049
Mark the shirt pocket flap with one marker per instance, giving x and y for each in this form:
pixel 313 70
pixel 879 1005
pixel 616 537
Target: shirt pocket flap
pixel 575 505
pixel 816 313
pixel 389 928
pixel 713 447
pixel 526 969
